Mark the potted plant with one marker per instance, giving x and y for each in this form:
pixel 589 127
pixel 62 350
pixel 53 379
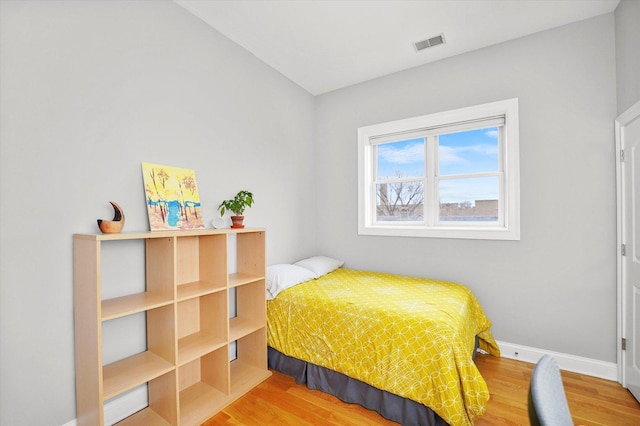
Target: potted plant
pixel 236 205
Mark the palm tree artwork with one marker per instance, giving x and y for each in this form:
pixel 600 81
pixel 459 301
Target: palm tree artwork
pixel 172 197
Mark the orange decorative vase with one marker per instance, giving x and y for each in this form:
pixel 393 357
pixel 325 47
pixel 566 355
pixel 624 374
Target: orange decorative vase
pixel 113 226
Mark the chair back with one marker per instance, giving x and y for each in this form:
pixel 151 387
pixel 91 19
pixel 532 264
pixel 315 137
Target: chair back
pixel 547 403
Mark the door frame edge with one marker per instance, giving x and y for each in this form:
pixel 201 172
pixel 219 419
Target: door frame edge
pixel 620 122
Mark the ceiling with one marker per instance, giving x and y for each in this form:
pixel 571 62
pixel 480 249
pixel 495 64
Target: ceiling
pixel 323 45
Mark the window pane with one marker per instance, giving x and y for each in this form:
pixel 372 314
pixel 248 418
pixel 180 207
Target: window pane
pixel 400 201
pixel 402 159
pixel 471 151
pixel 472 199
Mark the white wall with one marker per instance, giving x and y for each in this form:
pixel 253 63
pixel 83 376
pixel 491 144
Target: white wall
pixel 90 90
pixel 627 16
pixel 555 288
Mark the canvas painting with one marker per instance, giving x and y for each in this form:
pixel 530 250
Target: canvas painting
pixel 172 197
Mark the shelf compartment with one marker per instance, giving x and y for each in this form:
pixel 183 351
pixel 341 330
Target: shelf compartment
pixel 160 266
pixel 241 327
pixel 132 304
pixel 245 377
pixel 250 366
pixel 196 345
pixel 202 325
pixel 251 253
pixel 204 387
pixel 251 309
pixel 145 417
pixel 197 289
pixel 241 278
pixel 133 371
pixel 163 404
pixel 198 401
pixel 201 259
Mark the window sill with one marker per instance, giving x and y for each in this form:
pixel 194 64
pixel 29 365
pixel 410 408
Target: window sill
pixel 467 232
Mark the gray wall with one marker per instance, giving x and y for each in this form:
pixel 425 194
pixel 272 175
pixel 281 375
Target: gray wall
pixel 555 288
pixel 89 91
pixel 627 16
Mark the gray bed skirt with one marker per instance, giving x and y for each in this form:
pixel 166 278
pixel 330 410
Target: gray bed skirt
pixel 393 407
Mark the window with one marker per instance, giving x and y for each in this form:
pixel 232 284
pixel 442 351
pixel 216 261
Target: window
pixel 453 174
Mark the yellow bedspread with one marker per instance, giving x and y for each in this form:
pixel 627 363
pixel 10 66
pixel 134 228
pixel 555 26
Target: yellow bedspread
pixel 413 337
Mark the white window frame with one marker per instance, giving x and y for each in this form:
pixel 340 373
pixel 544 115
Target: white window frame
pixel 508 227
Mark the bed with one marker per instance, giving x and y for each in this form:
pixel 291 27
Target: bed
pixel 397 344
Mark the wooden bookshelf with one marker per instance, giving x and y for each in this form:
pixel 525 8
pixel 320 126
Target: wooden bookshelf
pixel 186 364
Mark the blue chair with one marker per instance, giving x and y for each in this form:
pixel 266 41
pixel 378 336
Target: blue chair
pixel 547 401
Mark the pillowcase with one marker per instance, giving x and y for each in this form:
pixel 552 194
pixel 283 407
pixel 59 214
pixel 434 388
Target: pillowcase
pixel 282 276
pixel 320 265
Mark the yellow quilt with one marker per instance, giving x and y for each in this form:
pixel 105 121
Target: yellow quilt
pixel 413 337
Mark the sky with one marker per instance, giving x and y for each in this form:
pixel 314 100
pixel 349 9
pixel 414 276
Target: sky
pixel 472 151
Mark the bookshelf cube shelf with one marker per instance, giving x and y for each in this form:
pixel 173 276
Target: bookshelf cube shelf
pixel 185 365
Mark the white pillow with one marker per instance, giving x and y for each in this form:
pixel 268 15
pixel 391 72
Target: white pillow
pixel 282 276
pixel 320 265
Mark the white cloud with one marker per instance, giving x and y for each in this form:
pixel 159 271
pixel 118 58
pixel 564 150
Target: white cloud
pixel 493 133
pixel 450 155
pixel 410 153
pixel 405 156
pixel 460 154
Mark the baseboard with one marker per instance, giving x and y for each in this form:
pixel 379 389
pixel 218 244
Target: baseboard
pixel 576 364
pixel 121 407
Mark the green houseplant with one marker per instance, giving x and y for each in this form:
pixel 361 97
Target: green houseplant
pixel 236 205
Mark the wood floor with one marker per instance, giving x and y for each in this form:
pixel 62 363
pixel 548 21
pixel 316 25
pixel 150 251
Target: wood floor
pixel 279 401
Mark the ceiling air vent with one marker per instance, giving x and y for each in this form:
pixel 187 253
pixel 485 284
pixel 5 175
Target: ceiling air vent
pixel 430 42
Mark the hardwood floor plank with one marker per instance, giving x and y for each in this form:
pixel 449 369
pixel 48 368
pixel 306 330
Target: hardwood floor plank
pixel 280 401
pixel 592 401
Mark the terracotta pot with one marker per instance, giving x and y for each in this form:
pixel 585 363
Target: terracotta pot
pixel 237 221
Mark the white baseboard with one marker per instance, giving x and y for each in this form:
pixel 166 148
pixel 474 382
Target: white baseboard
pixel 135 400
pixel 574 363
pixel 123 406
